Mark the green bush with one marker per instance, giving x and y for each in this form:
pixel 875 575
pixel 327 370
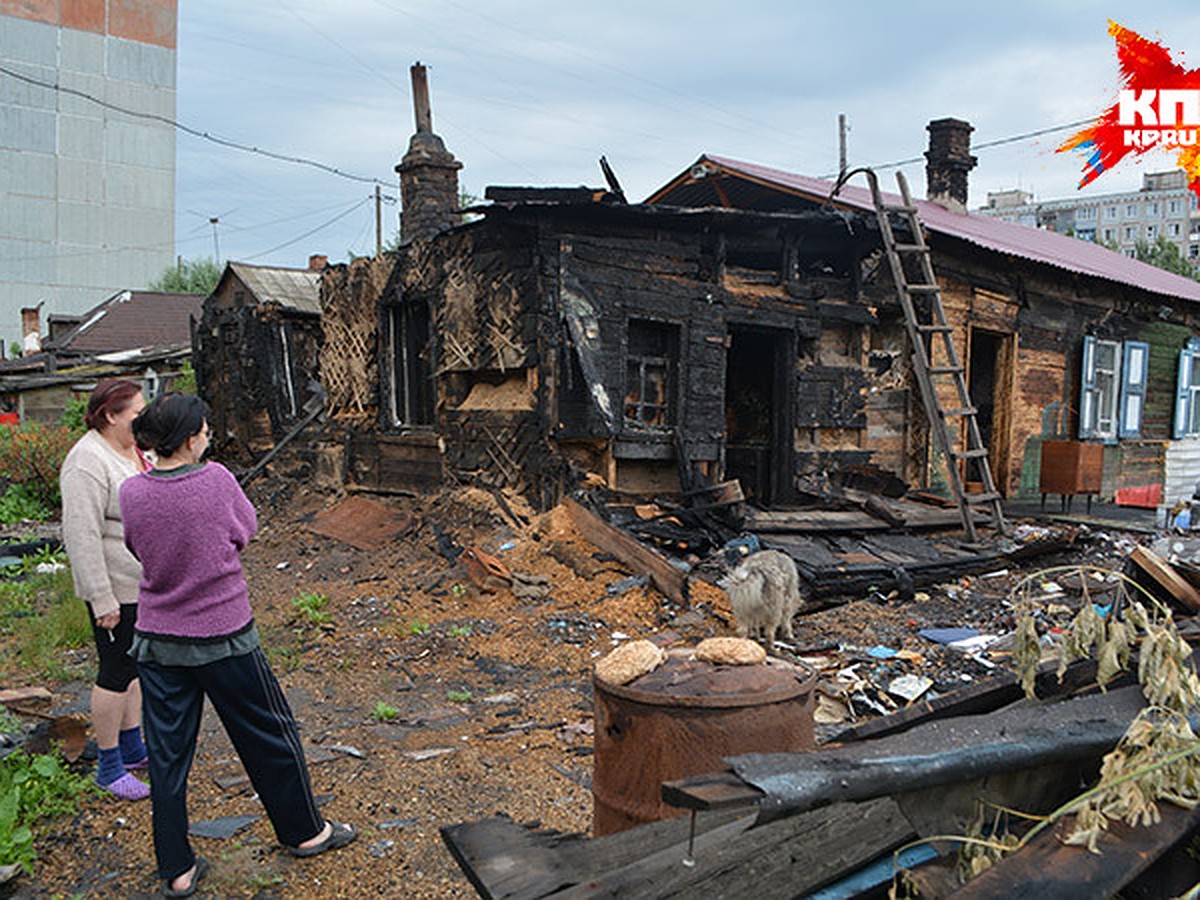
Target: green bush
pixel 31 455
pixel 20 503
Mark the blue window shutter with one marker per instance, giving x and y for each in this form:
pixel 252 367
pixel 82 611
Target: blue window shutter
pixel 1087 389
pixel 1181 392
pixel 1134 361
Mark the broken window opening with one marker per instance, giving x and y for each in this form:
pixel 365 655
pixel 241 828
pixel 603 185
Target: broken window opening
pixel 412 370
pixel 288 384
pixel 650 366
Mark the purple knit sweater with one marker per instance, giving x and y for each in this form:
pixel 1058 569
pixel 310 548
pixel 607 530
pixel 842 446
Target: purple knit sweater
pixel 187 530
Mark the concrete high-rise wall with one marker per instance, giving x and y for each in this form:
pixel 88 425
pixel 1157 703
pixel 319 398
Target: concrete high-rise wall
pixel 87 193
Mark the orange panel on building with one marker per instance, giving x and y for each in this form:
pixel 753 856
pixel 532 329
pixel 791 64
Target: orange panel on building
pixel 37 10
pixel 83 15
pixel 146 21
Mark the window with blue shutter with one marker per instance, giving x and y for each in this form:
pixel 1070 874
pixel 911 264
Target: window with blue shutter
pixel 1187 392
pixel 1100 390
pixel 1134 362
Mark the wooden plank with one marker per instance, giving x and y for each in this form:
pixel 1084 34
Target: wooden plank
pixel 814 521
pixel 1050 870
pixel 1166 576
pixel 732 858
pixel 781 860
pixel 719 790
pixel 641 560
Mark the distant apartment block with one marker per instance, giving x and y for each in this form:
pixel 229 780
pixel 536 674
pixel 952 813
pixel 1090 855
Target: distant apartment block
pixel 1164 207
pixel 87 192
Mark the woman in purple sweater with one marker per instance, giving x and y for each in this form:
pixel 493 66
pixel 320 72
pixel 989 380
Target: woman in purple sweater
pixel 187 522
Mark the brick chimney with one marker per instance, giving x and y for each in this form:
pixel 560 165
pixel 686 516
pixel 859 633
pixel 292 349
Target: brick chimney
pixel 31 330
pixel 428 173
pixel 317 262
pixel 947 163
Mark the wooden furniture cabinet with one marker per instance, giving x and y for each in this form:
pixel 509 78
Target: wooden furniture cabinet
pixel 1070 468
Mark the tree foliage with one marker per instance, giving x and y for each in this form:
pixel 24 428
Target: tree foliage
pixel 1165 255
pixel 191 276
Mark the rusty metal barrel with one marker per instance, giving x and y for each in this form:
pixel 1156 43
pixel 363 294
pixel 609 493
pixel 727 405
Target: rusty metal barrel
pixel 682 719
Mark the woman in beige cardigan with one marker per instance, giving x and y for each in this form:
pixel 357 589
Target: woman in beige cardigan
pixel 107 575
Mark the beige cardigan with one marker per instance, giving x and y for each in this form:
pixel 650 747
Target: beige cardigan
pixel 106 573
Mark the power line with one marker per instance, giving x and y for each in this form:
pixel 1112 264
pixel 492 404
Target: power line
pixel 295 240
pixel 204 135
pixel 986 145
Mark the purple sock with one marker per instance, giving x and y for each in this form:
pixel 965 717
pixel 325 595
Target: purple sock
pixel 109 768
pixel 131 746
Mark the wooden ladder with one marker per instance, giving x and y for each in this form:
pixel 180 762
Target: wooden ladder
pixel 949 368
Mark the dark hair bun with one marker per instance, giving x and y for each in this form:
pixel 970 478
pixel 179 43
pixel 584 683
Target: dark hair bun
pixel 168 422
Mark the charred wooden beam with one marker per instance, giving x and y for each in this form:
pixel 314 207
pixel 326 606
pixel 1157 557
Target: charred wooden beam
pixel 942 752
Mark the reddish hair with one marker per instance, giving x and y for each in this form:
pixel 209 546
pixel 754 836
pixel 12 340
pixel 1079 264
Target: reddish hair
pixel 109 397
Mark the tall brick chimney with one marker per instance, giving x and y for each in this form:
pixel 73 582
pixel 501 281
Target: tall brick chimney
pixel 428 173
pixel 948 162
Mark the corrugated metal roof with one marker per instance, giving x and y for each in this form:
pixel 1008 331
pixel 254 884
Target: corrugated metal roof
pixel 1061 251
pixel 295 288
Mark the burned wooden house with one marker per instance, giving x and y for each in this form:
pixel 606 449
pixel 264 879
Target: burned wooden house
pixel 577 333
pixel 256 354
pixel 1079 360
pixel 741 324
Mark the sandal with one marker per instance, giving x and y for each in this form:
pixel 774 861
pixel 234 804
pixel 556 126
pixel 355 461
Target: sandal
pixel 340 835
pixel 128 788
pixel 201 871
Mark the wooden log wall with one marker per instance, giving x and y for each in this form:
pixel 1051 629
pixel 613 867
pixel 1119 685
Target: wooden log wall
pixel 243 357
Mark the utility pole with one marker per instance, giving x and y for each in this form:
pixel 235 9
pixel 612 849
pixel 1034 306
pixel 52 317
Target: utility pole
pixel 378 222
pixel 841 144
pixel 216 247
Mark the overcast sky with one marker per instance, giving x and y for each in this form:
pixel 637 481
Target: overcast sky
pixel 528 92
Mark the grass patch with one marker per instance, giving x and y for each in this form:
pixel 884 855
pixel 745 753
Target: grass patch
pixel 40 618
pixel 458 696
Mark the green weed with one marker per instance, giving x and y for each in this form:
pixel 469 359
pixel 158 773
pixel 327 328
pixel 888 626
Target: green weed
pixel 384 712
pixel 312 607
pixel 34 789
pixel 21 503
pixel 418 627
pixel 460 631
pixel 462 696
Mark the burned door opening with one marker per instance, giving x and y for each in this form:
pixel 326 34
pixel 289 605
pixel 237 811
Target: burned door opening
pixel 758 426
pixel 989 377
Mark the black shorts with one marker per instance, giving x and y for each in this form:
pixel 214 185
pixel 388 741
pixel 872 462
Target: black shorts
pixel 117 668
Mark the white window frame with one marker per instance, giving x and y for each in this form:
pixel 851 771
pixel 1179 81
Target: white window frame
pixel 1112 399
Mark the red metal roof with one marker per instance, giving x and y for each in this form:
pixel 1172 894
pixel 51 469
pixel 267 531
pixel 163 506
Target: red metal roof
pixel 1062 251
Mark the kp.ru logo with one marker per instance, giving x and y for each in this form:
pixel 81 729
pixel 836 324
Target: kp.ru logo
pixel 1157 106
pixel 1168 118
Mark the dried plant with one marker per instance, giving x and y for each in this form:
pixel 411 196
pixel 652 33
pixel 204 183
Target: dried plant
pixel 1158 757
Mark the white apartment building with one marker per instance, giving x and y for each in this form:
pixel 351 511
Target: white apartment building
pixel 1164 207
pixel 87 191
